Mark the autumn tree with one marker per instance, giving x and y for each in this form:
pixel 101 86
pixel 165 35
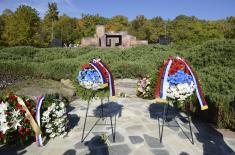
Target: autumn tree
pixel 118 23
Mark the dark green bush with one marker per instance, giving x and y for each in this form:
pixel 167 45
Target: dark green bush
pixel 214 63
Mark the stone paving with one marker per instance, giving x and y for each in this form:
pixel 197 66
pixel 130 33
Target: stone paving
pixel 136 133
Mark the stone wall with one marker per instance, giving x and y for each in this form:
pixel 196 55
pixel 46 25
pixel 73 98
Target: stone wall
pixel 90 41
pixel 99 38
pixel 100 30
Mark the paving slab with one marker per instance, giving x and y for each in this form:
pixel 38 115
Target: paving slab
pixel 137 132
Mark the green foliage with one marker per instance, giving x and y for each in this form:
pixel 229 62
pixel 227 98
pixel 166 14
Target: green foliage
pixel 65 29
pixel 21 27
pixel 213 62
pixel 52 12
pixel 117 23
pixel 24 27
pixel 88 95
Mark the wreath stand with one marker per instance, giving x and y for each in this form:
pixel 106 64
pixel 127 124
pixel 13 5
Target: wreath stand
pixel 101 117
pixel 167 115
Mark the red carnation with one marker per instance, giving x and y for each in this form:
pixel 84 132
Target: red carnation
pixel 27 103
pixel 22 111
pixel 18 106
pixel 27 130
pixel 86 66
pixel 1 135
pixel 21 130
pixel 26 121
pixel 13 98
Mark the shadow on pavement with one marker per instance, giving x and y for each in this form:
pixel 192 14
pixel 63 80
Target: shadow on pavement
pixel 70 152
pixel 212 140
pixel 110 109
pixel 96 146
pixel 13 150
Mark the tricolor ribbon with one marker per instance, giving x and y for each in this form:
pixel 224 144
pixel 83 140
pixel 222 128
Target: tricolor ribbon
pixel 162 80
pixel 96 64
pixel 38 119
pixel 99 71
pixel 111 80
pixel 199 92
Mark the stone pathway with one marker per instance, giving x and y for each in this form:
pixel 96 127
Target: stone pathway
pixel 136 133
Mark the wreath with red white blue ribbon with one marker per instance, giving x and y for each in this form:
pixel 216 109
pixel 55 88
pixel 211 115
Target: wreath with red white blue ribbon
pixel 177 81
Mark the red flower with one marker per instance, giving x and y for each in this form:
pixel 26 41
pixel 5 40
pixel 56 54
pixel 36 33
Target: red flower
pixel 1 135
pixel 26 121
pixel 22 111
pixel 7 113
pixel 27 130
pixel 27 103
pixel 13 98
pixel 86 66
pixel 21 130
pixel 18 106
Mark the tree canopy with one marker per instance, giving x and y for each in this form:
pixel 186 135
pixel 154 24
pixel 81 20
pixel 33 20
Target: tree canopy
pixel 24 27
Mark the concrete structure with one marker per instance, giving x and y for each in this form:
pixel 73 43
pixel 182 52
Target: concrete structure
pixel 111 39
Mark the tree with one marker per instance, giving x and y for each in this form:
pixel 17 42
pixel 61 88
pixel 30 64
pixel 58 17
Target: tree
pixel 157 29
pixel 230 29
pixel 5 14
pixel 51 16
pixel 87 24
pixel 140 27
pixel 65 28
pixel 21 26
pixel 117 23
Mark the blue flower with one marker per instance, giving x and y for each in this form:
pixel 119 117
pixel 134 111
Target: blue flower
pixel 88 75
pixel 179 77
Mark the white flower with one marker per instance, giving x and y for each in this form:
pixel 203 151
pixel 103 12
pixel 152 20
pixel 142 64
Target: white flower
pixel 15 113
pixel 46 119
pixel 180 91
pixel 48 131
pixel 46 113
pixel 48 126
pixel 2 117
pixel 3 106
pixel 52 135
pixel 61 104
pixel 4 127
pixel 57 107
pixel 63 135
pixel 16 123
pixel 59 113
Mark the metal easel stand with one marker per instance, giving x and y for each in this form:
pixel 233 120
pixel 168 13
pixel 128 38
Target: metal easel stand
pixel 164 120
pixel 101 117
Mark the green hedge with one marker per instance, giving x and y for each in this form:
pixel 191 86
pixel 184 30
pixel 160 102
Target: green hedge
pixel 214 63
